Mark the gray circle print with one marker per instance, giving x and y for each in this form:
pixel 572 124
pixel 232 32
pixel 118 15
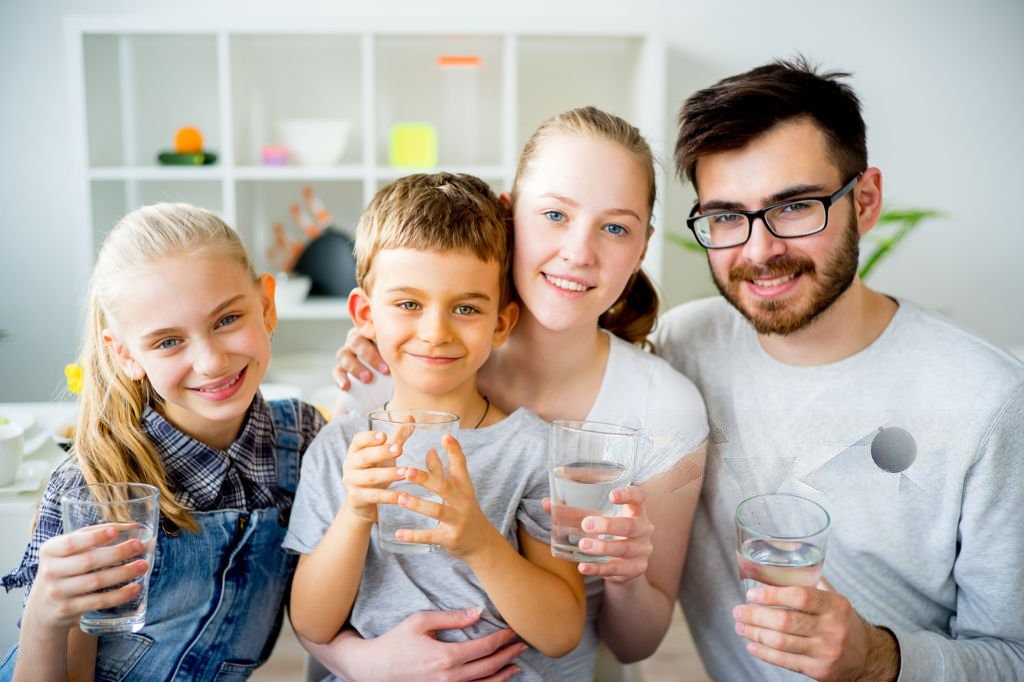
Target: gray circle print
pixel 893 449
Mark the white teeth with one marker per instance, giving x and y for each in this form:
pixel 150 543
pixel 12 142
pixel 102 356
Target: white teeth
pixel 565 284
pixel 773 282
pixel 221 387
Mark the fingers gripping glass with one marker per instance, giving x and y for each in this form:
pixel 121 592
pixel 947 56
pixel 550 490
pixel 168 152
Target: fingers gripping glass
pixel 786 220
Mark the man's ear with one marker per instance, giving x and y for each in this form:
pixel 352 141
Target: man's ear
pixel 267 288
pixel 506 199
pixel 867 198
pixel 361 312
pixel 123 356
pixel 507 319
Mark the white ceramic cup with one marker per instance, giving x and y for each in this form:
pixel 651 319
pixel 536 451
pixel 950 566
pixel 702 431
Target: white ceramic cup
pixel 12 447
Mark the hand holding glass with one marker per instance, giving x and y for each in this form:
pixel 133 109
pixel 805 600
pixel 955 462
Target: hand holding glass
pixel 780 540
pixel 134 510
pixel 418 432
pixel 587 460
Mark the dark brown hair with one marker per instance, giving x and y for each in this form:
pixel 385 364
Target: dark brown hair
pixel 736 110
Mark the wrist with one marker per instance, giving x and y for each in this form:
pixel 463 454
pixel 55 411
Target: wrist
pixel 883 661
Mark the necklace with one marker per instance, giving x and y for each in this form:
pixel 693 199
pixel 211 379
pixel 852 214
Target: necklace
pixel 487 409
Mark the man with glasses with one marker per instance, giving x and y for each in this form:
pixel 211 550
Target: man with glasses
pixel 907 430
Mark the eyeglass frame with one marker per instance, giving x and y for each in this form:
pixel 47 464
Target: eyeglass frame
pixel 751 216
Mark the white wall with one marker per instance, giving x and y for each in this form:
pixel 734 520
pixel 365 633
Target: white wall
pixel 942 89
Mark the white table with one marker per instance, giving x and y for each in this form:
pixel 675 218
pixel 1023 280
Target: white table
pixel 18 509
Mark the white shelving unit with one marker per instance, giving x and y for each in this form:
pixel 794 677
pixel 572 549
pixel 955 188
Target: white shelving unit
pixel 138 82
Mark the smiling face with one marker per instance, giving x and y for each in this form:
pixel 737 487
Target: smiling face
pixel 197 327
pixel 581 218
pixel 781 285
pixel 435 316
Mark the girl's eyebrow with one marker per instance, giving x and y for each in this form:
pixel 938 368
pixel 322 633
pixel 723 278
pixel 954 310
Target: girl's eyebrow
pixel 165 331
pixel 575 204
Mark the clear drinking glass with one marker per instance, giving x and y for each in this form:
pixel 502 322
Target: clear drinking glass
pixel 134 510
pixel 780 540
pixel 418 431
pixel 587 460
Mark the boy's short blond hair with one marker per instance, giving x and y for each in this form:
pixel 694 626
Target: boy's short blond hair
pixel 436 212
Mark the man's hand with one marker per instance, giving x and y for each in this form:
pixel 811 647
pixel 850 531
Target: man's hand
pixel 817 633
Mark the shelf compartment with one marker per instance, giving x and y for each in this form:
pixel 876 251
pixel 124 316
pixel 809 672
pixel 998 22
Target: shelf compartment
pixel 411 88
pixel 296 75
pixel 141 88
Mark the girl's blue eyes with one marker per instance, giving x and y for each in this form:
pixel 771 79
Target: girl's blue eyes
pixel 167 344
pixel 611 228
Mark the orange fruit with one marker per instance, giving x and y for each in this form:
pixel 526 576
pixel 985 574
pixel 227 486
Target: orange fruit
pixel 188 140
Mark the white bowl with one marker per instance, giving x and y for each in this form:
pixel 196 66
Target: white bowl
pixel 291 290
pixel 315 141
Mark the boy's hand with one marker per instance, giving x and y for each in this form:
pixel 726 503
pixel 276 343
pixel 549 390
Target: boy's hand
pixel 367 472
pixel 73 567
pixel 463 528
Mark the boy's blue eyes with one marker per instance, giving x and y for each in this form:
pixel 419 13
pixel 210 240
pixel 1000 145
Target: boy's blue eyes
pixel 226 320
pixel 409 305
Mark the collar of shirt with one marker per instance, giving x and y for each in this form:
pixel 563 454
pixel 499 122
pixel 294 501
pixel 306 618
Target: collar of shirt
pixel 205 478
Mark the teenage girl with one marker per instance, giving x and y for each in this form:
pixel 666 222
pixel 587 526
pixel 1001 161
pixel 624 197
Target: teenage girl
pixel 582 202
pixel 177 341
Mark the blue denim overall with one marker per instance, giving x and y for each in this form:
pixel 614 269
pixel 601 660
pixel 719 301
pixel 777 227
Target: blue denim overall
pixel 216 597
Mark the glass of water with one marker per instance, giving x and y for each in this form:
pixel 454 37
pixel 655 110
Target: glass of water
pixel 780 540
pixel 587 460
pixel 134 510
pixel 418 432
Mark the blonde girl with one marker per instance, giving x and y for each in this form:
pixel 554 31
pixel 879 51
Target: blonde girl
pixel 177 341
pixel 582 202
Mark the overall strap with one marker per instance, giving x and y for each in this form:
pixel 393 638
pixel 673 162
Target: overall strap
pixel 287 451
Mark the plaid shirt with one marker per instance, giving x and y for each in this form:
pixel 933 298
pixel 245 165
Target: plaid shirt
pixel 202 478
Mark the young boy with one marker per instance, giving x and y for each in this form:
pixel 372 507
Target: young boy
pixel 432 264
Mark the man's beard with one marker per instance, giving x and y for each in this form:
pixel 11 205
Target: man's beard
pixel 777 316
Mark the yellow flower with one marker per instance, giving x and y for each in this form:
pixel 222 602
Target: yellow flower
pixel 75 376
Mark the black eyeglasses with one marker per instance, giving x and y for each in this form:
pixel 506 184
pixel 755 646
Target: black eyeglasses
pixel 786 220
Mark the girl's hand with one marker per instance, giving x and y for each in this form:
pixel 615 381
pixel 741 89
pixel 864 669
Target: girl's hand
pixel 463 528
pixel 354 358
pixel 368 470
pixel 72 567
pixel 632 548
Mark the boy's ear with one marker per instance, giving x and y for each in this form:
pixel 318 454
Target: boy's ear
pixel 123 356
pixel 507 319
pixel 267 288
pixel 360 311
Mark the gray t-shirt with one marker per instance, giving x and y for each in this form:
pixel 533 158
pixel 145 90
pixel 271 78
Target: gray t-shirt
pixel 927 541
pixel 508 466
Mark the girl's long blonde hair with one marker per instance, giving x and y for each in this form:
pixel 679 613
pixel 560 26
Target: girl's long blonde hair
pixel 634 313
pixel 110 445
